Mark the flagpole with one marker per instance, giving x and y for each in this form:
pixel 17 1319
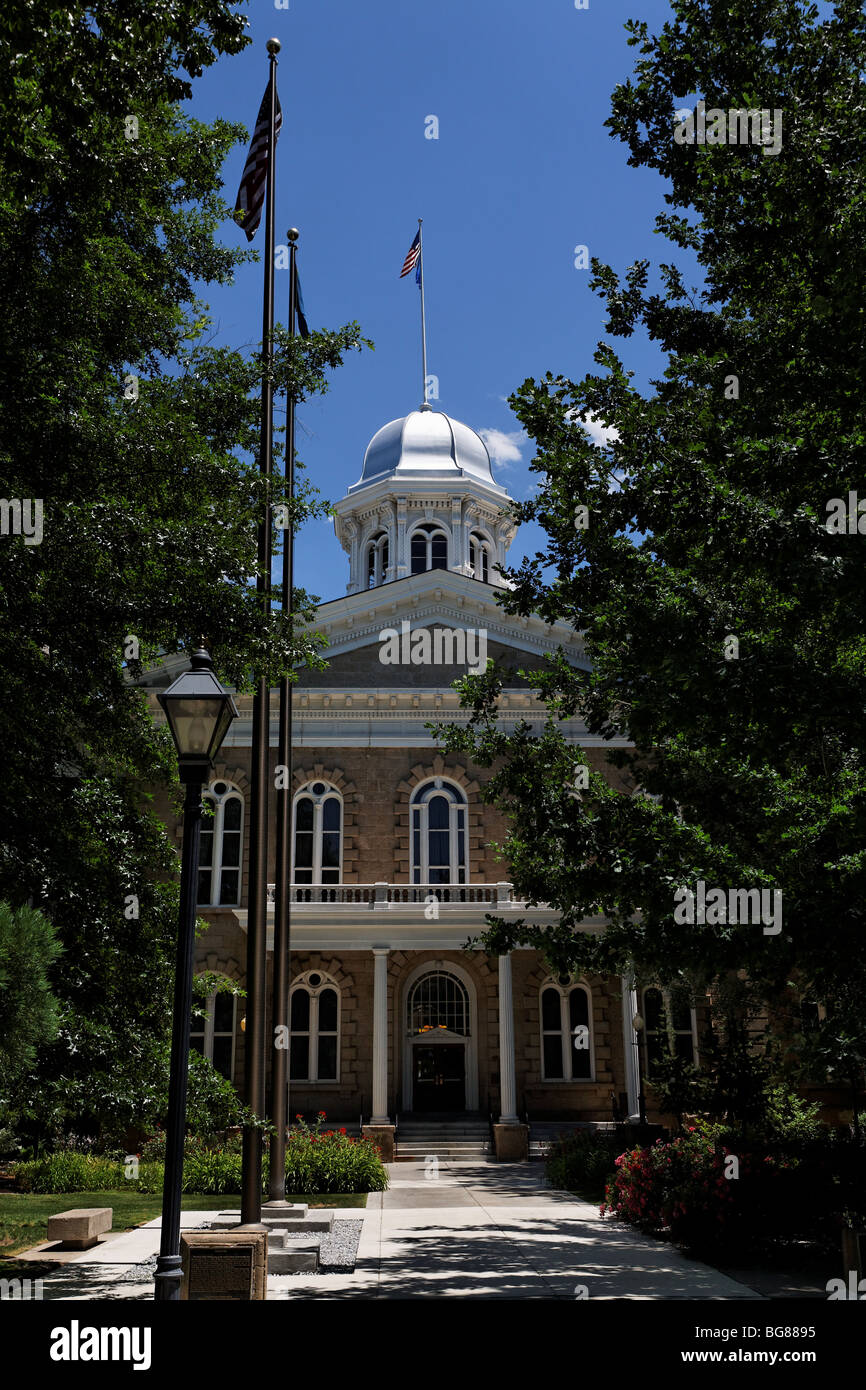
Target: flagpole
pixel 254 1068
pixel 280 1079
pixel 423 320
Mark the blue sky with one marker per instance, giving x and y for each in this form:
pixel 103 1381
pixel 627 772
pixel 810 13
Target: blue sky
pixel 523 171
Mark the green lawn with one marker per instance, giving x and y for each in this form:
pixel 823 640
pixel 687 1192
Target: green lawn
pixel 24 1215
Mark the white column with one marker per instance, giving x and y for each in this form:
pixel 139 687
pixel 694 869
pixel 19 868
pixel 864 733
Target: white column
pixel 507 1086
pixel 401 559
pixel 629 1009
pixel 380 1036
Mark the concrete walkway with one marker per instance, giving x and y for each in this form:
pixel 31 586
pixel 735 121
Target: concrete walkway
pixel 472 1229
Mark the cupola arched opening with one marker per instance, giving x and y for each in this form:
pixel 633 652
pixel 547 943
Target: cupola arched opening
pixel 429 549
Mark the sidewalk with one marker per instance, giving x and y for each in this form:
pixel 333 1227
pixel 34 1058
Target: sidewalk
pixel 477 1230
pixel 486 1230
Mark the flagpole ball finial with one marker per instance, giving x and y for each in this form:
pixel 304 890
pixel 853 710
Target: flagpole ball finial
pixel 293 234
pixel 273 46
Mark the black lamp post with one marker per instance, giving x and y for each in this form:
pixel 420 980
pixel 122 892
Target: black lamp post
pixel 199 711
pixel 637 1024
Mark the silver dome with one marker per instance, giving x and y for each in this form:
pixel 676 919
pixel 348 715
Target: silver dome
pixel 426 443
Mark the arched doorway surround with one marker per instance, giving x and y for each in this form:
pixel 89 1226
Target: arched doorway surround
pixel 439 1030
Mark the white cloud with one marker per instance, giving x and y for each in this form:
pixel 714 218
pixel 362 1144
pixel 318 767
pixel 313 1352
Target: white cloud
pixel 503 447
pixel 601 435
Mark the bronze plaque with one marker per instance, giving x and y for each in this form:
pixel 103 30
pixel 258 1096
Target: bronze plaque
pixel 224 1266
pixel 222 1272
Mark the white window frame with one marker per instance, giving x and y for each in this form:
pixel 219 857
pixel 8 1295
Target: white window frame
pixel 436 530
pixel 312 1033
pixel 481 556
pixel 210 1032
pixel 419 802
pixel 564 1031
pixel 460 992
pixel 671 1031
pixel 377 544
pixel 232 793
pixel 318 800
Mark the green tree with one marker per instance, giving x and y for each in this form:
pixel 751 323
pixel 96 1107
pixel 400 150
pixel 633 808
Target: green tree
pixel 707 520
pixel 110 217
pixel 28 1011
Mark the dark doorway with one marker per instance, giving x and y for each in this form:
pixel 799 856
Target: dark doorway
pixel 440 1077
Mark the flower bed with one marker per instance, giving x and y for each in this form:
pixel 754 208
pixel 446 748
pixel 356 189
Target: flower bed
pixel 701 1192
pixel 317 1160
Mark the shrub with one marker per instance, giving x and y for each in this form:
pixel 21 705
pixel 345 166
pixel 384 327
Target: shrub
pixel 682 1188
pixel 316 1161
pixel 583 1159
pixel 77 1172
pixel 331 1161
pixel 789 1119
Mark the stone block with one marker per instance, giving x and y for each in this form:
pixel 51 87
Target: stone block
pixel 224 1265
pixel 80 1227
pixel 284 1211
pixel 511 1143
pixel 292 1256
pixel 383 1135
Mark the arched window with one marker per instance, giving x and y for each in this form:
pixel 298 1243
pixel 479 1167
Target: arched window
pixel 566 1032
pixel 438 1002
pixel 429 549
pixel 439 833
pixel 318 825
pixel 222 838
pixel 214 1034
pixel 314 1028
pixel 669 1026
pixel 479 557
pixel 377 560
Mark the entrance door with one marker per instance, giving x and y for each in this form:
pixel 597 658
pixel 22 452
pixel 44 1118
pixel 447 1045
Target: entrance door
pixel 440 1077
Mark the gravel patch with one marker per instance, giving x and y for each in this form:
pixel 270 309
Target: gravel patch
pixel 337 1251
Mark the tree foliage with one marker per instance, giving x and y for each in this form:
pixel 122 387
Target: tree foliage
pixel 708 508
pixel 139 436
pixel 28 1011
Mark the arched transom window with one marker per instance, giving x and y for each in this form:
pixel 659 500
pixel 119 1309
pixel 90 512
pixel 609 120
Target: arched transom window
pixel 429 549
pixel 438 1002
pixel 222 837
pixel 318 826
pixel 566 1031
pixel 439 833
pixel 377 560
pixel 479 557
pixel 314 1028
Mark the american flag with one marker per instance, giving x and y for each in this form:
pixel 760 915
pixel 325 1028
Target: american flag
pixel 251 194
pixel 412 255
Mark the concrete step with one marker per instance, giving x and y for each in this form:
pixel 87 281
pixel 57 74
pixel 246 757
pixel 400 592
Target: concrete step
pixel 227 1220
pixel 440 1137
pixel 458 1131
pixel 289 1256
pixel 423 1155
pixel 289 1211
